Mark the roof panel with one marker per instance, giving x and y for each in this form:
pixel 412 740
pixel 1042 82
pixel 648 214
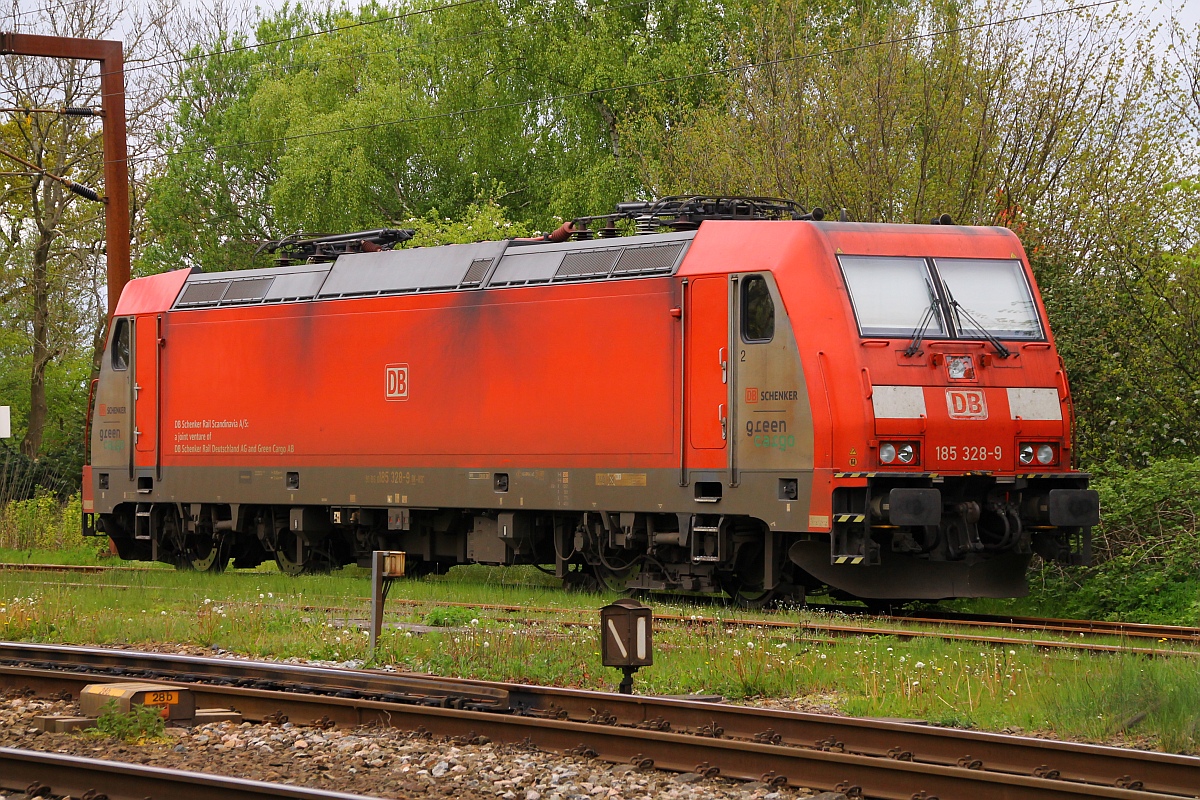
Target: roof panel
pixel 396 271
pixel 425 269
pixel 530 266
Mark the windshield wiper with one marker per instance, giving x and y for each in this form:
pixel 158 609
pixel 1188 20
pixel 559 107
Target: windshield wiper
pixel 914 347
pixel 1001 350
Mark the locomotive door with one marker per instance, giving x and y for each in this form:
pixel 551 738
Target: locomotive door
pixel 145 414
pixel 708 364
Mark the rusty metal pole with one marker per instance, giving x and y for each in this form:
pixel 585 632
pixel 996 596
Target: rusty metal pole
pixel 378 563
pixel 111 56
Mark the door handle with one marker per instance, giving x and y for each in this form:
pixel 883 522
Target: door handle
pixel 724 365
pixel 724 418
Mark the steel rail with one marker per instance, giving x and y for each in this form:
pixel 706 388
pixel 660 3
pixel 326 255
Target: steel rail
pixel 851 630
pixel 884 740
pixel 74 776
pixel 68 568
pixel 773 763
pixel 1049 624
pixel 815 627
pixel 819 627
pixel 1057 625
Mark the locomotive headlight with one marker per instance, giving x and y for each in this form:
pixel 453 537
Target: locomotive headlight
pixel 902 452
pixel 1026 454
pixel 1045 454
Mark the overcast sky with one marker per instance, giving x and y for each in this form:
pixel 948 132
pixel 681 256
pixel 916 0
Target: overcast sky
pixel 26 11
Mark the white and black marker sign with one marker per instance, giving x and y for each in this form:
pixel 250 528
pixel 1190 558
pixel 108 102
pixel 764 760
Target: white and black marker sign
pixel 626 634
pixel 5 423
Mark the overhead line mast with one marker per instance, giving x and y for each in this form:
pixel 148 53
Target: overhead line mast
pixel 116 157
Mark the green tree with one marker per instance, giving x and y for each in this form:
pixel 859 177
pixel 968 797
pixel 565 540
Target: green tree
pixel 1055 127
pixel 52 262
pixel 388 118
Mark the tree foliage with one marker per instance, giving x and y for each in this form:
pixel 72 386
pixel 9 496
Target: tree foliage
pixel 52 260
pixel 1054 126
pixel 500 117
pixel 400 111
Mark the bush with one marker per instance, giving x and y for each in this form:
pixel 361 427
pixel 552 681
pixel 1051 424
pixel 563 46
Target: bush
pixel 1146 549
pixel 41 523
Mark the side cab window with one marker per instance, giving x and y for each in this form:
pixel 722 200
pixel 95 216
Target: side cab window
pixel 120 344
pixel 758 310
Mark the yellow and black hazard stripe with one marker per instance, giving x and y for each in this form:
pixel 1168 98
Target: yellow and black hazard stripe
pixel 847 559
pixel 849 517
pixel 888 474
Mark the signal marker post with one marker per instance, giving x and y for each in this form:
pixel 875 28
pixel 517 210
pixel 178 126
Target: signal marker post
pixel 386 566
pixel 5 423
pixel 626 633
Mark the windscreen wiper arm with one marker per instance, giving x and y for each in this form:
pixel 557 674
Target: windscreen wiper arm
pixel 1001 350
pixel 914 346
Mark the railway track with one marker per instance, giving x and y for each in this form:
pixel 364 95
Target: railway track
pixel 1133 630
pixel 39 774
pixel 880 758
pixel 82 568
pixel 930 625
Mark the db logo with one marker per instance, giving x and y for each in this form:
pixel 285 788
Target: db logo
pixel 397 381
pixel 103 410
pixel 752 395
pixel 966 404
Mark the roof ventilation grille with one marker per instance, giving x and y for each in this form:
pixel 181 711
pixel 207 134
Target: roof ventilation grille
pixel 660 258
pixel 208 293
pixel 477 272
pixel 587 264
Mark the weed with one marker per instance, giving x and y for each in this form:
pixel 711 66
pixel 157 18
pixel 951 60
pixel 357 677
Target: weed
pixel 449 617
pixel 139 724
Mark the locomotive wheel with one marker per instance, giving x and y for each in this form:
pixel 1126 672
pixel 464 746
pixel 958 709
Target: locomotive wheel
pixel 582 578
pixel 204 552
pixel 753 599
pixel 311 562
pixel 745 586
pixel 885 608
pixel 616 579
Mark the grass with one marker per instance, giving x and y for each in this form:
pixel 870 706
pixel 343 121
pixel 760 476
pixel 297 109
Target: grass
pixel 86 554
pixel 1135 699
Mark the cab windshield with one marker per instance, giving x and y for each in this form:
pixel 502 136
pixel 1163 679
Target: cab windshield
pixel 995 295
pixel 965 298
pixel 891 296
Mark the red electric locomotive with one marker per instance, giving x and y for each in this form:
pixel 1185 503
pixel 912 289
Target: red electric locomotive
pixel 753 401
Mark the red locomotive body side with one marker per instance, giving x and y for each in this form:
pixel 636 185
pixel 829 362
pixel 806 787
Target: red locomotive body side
pixel 720 412
pixel 567 376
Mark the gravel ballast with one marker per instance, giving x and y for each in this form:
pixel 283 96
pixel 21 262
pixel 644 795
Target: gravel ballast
pixel 382 762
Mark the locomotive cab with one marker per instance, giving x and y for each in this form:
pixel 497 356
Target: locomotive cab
pixel 958 467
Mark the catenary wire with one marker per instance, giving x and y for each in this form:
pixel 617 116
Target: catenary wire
pixel 16 15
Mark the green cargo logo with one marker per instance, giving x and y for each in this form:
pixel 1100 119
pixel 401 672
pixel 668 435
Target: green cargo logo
pixel 771 434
